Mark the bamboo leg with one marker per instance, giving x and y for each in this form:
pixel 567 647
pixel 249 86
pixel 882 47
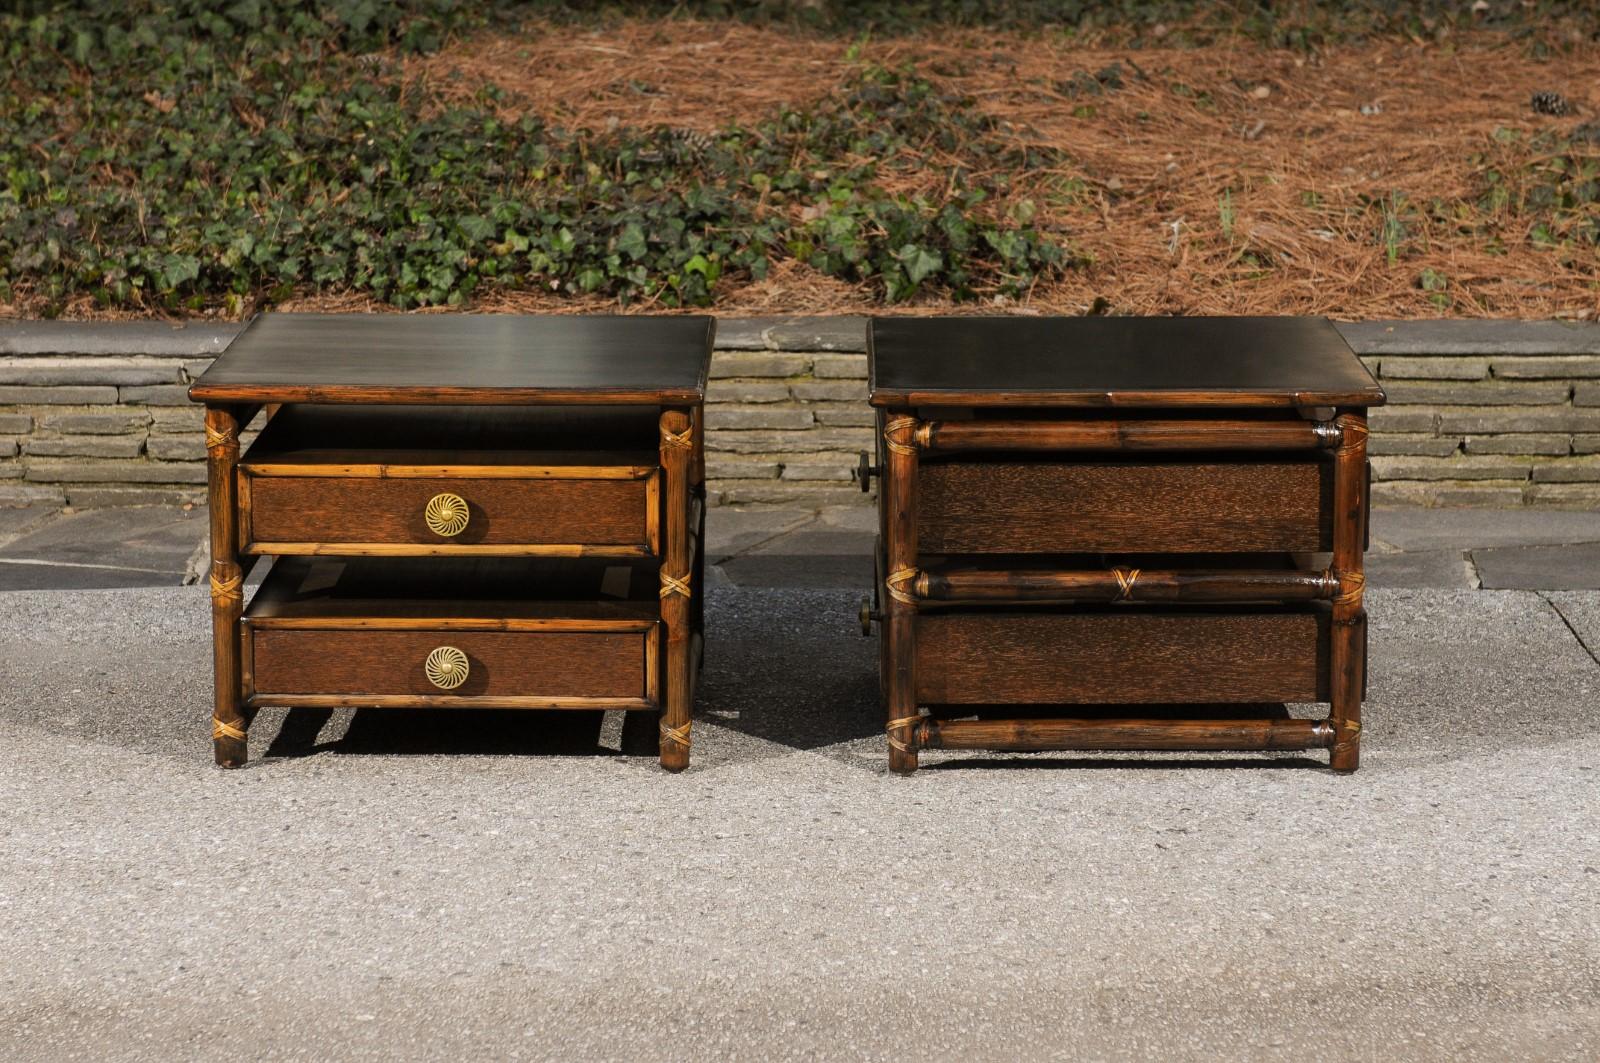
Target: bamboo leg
pixel 677 586
pixel 228 724
pixel 1348 656
pixel 898 488
pixel 699 583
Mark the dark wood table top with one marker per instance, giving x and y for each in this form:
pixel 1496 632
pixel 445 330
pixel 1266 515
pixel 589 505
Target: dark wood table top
pixel 1114 361
pixel 463 358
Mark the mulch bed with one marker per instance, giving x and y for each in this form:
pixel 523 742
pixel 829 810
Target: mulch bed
pixel 1232 178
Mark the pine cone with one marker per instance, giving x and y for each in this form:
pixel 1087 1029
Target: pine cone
pixel 1551 103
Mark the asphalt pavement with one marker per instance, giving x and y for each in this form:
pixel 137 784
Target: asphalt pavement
pixel 383 885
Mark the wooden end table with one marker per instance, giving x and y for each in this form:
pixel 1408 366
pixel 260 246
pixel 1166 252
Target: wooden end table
pixel 1082 515
pixel 466 511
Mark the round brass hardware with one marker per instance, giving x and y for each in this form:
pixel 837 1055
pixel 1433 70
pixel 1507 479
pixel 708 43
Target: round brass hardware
pixel 446 514
pixel 863 473
pixel 446 667
pixel 867 615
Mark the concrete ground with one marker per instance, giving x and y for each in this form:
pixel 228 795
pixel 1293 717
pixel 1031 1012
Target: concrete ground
pixel 416 886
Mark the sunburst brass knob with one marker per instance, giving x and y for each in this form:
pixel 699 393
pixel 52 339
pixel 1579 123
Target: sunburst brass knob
pixel 446 514
pixel 446 667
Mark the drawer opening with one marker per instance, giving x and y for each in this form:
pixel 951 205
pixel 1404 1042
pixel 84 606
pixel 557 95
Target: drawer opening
pixel 600 589
pixel 540 436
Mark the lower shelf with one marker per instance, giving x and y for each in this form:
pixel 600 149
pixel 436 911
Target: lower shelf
pixel 328 632
pixel 1121 732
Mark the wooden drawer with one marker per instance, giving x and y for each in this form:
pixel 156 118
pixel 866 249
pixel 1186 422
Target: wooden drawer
pixel 1121 656
pixel 605 511
pixel 535 633
pixel 1019 507
pixel 527 668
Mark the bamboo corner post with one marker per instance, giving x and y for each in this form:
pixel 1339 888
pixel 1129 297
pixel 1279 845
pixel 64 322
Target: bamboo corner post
pixel 898 429
pixel 678 461
pixel 1348 656
pixel 229 723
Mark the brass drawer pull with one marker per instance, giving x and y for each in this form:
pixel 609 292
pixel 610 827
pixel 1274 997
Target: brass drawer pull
pixel 446 514
pixel 446 667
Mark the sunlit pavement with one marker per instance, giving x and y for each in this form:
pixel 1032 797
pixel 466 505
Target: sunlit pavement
pixel 386 885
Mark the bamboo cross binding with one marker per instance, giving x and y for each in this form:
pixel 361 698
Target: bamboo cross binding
pixel 897 583
pixel 896 426
pixel 221 729
pixel 227 590
pixel 1351 587
pixel 672 585
pixel 907 724
pixel 221 437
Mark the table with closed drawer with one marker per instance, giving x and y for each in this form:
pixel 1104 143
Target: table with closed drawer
pixel 459 512
pixel 1090 527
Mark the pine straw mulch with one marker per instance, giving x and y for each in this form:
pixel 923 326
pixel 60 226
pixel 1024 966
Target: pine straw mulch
pixel 1282 134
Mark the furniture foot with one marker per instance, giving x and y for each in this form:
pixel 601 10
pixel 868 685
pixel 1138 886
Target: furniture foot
pixel 902 744
pixel 674 746
pixel 229 742
pixel 1345 756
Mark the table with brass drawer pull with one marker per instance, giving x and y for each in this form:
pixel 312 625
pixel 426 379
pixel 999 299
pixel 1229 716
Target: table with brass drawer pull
pixel 1080 517
pixel 461 511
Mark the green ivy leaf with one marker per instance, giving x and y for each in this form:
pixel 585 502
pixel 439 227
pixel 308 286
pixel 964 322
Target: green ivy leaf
pixel 178 269
pixel 919 263
pixel 632 242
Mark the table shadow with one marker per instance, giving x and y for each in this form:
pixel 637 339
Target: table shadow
pixel 445 732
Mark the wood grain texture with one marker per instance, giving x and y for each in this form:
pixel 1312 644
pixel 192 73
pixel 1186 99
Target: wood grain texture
pixel 501 664
pixel 1125 583
pixel 986 507
pixel 1114 362
pixel 493 359
pixel 1034 734
pixel 1125 434
pixel 445 701
pixel 1121 657
pixel 502 512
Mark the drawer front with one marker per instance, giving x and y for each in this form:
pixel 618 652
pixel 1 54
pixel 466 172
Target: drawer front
pixel 1120 657
pixel 304 511
pixel 1114 507
pixel 553 669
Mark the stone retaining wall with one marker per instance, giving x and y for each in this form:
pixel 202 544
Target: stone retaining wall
pixel 1485 413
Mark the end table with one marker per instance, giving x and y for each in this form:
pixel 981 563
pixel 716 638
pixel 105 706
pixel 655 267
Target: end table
pixel 1082 515
pixel 494 511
